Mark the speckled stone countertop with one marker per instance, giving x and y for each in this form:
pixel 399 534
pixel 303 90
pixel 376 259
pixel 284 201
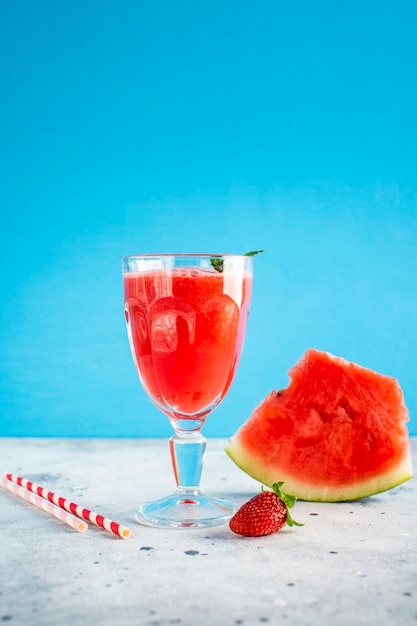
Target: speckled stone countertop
pixel 351 563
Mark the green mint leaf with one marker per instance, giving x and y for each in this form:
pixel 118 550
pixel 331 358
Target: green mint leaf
pixel 218 264
pixel 254 252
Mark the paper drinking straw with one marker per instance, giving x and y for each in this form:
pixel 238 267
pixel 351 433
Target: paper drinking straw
pixel 45 505
pixel 72 507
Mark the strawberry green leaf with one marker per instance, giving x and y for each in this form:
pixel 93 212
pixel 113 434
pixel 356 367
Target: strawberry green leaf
pixel 288 500
pixel 291 521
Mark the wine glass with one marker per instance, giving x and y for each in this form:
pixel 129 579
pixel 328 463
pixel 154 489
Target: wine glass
pixel 186 317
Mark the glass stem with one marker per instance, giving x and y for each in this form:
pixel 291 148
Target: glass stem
pixel 187 455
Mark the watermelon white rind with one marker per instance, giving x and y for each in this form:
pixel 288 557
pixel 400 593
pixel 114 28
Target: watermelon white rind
pixel 336 433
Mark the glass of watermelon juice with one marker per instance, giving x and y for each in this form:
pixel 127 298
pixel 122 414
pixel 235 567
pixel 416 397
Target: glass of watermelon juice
pixel 186 317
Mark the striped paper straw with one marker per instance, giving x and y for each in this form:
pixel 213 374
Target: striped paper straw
pixel 72 507
pixel 43 504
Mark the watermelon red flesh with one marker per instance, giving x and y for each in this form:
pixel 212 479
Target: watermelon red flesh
pixel 337 432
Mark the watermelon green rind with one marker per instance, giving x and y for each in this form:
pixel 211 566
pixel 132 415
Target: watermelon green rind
pixel 309 492
pixel 337 432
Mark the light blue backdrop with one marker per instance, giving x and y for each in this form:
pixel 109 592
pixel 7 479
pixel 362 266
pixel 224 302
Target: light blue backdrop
pixel 138 127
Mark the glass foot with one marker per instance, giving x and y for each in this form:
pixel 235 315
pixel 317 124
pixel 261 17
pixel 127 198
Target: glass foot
pixel 184 510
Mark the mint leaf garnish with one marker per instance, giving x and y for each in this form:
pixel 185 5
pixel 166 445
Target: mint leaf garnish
pixel 253 253
pixel 218 264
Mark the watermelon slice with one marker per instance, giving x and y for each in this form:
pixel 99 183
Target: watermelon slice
pixel 337 432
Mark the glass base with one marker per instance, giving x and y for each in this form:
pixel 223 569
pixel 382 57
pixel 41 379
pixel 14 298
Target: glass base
pixel 184 509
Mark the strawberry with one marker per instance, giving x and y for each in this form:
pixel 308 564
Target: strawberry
pixel 264 514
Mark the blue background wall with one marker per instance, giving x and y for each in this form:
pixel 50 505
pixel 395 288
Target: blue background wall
pixel 138 127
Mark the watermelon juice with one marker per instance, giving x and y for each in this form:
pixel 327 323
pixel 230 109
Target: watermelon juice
pixel 186 327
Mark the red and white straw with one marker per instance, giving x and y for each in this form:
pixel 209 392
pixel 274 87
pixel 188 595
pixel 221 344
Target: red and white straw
pixel 45 505
pixel 72 507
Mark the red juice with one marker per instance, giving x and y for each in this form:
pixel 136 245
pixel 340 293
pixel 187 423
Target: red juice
pixel 186 328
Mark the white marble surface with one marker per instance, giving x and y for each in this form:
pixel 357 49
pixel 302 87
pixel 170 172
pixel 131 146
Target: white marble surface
pixel 352 563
